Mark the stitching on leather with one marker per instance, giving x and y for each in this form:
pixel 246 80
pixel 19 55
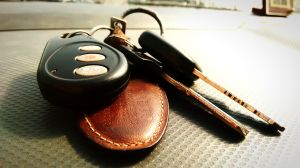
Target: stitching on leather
pixel 133 144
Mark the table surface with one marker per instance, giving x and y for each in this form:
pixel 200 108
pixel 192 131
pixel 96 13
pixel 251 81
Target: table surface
pixel 257 58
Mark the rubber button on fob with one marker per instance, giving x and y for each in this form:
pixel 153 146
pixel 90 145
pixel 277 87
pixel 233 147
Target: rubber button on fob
pixel 89 48
pixel 91 70
pixel 90 57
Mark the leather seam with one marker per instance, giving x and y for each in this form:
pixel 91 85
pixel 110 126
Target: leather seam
pixel 132 144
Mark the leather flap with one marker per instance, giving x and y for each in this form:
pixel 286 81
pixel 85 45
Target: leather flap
pixel 137 119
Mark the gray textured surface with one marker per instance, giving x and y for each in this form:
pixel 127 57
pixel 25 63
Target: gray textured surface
pixel 259 61
pixel 39 15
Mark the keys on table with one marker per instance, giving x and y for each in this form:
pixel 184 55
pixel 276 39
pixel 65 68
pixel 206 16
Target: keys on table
pixel 164 61
pixel 177 69
pixel 185 66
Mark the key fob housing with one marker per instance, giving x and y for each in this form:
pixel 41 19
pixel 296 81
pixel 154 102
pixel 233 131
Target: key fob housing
pixel 177 64
pixel 81 71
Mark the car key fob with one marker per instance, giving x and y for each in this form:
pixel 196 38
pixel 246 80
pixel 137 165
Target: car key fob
pixel 81 71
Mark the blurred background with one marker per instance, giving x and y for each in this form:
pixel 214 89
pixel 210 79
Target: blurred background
pixel 217 4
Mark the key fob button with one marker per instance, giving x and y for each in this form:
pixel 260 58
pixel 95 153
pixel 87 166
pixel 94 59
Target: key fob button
pixel 90 57
pixel 90 48
pixel 91 70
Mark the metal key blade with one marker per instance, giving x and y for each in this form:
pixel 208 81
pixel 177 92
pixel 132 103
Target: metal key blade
pixel 238 100
pixel 237 126
pixel 180 64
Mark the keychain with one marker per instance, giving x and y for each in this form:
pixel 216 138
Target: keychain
pixel 97 71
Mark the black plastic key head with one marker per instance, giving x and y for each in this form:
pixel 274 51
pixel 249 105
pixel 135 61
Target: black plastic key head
pixel 173 60
pixel 81 71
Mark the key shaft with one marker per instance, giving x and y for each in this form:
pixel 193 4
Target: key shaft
pixel 217 112
pixel 239 101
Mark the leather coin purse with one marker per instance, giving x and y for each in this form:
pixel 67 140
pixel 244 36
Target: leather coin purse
pixel 135 120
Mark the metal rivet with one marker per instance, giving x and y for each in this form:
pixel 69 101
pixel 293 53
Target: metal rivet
pixel 53 71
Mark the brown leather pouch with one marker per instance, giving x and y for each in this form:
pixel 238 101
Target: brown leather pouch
pixel 137 119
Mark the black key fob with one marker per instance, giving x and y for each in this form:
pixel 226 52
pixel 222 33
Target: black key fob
pixel 81 71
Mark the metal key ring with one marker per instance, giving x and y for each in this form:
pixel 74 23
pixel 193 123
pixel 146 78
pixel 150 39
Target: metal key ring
pixel 101 27
pixel 68 35
pixel 146 11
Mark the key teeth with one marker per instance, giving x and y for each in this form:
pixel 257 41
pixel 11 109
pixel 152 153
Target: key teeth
pixel 244 131
pixel 278 127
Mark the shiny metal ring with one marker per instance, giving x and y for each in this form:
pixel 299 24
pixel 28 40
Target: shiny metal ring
pixel 146 11
pixel 101 27
pixel 124 40
pixel 68 35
